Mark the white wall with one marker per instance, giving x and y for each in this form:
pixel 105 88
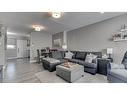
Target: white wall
pixel 39 40
pixel 98 36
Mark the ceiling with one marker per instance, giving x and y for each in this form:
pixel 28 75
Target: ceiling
pixel 20 22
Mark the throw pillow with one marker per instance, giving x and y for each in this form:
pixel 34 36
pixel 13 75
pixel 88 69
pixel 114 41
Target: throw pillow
pixel 68 55
pixel 94 56
pixel 90 57
pixel 80 55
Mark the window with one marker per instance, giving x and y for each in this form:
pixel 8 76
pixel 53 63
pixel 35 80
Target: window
pixel 10 46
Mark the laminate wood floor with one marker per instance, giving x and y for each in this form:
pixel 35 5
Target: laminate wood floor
pixel 21 71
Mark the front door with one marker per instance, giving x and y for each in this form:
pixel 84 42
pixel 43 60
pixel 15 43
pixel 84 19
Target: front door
pixel 20 49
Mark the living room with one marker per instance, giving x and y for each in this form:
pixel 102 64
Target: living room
pixel 71 41
pixel 94 38
pixel 63 47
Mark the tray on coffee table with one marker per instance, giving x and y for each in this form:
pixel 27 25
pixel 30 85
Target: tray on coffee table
pixel 68 64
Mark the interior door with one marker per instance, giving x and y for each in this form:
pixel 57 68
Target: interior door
pixel 20 49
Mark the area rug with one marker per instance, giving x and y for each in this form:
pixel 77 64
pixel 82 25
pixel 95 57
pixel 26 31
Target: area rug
pixel 51 77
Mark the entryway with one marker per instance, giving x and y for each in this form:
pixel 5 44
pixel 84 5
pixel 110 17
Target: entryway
pixel 17 48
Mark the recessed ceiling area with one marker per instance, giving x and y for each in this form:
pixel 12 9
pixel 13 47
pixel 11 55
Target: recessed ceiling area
pixel 20 22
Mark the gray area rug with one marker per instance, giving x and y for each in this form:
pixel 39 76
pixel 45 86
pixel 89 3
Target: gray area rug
pixel 51 77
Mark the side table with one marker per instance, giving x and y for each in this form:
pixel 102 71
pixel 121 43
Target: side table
pixel 102 66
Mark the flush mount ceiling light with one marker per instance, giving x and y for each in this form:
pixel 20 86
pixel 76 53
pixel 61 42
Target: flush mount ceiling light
pixel 10 46
pixel 38 27
pixel 56 14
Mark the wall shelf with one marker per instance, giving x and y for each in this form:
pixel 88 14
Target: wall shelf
pixel 118 40
pixel 123 30
pixel 120 36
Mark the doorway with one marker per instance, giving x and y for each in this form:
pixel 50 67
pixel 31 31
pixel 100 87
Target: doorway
pixel 21 48
pixel 17 48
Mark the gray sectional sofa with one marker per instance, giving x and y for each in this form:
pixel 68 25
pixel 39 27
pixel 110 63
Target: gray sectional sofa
pixel 78 57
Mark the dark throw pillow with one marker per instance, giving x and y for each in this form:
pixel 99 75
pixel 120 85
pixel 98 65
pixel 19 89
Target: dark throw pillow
pixel 80 55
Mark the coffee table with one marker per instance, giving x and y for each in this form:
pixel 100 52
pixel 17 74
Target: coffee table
pixel 70 71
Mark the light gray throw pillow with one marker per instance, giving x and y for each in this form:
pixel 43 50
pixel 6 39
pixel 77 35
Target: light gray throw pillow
pixel 90 57
pixel 68 55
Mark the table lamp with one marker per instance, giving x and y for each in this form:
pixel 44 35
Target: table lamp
pixel 64 46
pixel 109 52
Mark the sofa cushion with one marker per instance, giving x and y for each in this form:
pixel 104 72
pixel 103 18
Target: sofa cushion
pixel 90 65
pixel 57 55
pixel 119 73
pixel 80 55
pixel 73 60
pixel 61 60
pixel 80 62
